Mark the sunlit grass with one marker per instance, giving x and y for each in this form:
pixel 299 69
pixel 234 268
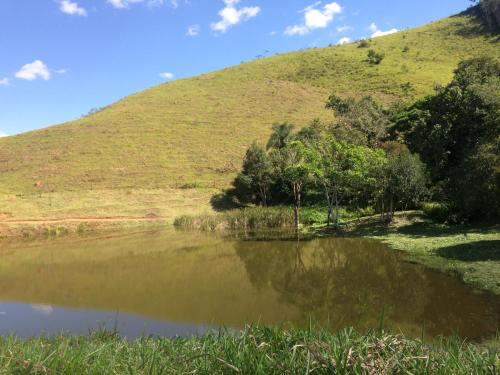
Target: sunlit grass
pixel 253 351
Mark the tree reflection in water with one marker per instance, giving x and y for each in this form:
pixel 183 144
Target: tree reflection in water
pixel 342 282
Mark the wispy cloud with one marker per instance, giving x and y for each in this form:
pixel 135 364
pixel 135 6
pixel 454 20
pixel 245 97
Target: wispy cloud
pixel 123 4
pixel 376 32
pixel 34 70
pixel 231 15
pixel 4 81
pixel 315 18
pixel 167 75
pixel 72 8
pixel 193 30
pixel 344 29
pixel 175 3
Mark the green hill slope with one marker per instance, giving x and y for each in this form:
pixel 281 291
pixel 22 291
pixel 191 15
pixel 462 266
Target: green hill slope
pixel 191 134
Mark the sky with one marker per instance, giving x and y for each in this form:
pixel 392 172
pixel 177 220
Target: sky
pixel 61 58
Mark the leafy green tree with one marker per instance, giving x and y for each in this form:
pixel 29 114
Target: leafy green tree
pixel 343 169
pixel 280 136
pixel 297 171
pixel 362 122
pixel 403 180
pixel 256 176
pixel 452 131
pixel 310 134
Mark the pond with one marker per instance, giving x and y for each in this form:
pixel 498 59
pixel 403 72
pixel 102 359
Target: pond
pixel 174 283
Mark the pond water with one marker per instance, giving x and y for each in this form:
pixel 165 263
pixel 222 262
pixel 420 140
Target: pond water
pixel 181 283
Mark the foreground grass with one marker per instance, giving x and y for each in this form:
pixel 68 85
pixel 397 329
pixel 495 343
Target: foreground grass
pixel 470 251
pixel 253 351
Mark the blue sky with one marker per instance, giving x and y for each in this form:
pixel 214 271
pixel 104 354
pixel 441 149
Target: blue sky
pixel 60 58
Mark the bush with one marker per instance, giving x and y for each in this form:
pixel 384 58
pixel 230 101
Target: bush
pixel 441 212
pixel 374 57
pixel 363 43
pixel 313 215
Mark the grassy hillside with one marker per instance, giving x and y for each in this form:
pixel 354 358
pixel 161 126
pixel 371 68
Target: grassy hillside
pixel 191 134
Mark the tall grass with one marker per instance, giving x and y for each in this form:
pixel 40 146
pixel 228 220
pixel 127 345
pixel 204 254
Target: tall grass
pixel 278 217
pixel 239 219
pixel 254 351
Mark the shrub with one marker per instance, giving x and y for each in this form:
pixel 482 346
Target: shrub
pixel 441 212
pixel 374 57
pixel 363 43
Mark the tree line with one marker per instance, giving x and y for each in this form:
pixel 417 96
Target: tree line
pixel 443 148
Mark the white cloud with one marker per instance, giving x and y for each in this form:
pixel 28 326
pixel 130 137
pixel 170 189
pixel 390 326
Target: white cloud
pixel 34 70
pixel 122 4
pixel 61 71
pixel 231 15
pixel 175 3
pixel 167 75
pixel 71 8
pixel 344 41
pixel 4 81
pixel 376 32
pixel 344 29
pixel 193 30
pixel 315 18
pixel 2 134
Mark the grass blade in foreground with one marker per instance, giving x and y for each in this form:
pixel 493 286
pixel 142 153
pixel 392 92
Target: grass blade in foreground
pixel 254 351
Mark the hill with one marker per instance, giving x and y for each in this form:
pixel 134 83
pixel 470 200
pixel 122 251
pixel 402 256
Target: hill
pixel 168 149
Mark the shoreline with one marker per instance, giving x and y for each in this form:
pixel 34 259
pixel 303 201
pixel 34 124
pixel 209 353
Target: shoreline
pixel 470 252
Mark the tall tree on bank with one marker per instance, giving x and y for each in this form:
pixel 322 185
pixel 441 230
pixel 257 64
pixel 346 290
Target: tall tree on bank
pixel 297 172
pixel 403 180
pixel 256 176
pixel 343 169
pixel 456 132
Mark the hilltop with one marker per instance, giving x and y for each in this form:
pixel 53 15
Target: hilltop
pixel 168 149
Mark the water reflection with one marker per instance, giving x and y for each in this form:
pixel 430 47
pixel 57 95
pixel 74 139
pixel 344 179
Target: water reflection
pixel 180 283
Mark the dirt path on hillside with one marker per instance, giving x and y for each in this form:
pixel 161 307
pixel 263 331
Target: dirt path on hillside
pixel 116 219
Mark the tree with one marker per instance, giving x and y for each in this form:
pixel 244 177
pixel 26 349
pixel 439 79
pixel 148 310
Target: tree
pixel 403 180
pixel 297 171
pixel 452 130
pixel 280 136
pixel 362 122
pixel 490 12
pixel 310 134
pixel 256 175
pixel 343 169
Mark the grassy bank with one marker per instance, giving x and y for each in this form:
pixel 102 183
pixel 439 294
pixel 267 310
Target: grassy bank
pixel 253 351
